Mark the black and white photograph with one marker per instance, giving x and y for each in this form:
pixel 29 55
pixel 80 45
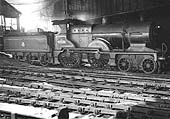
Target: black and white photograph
pixel 84 59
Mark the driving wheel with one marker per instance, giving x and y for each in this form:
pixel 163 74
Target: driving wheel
pixel 69 60
pixel 98 60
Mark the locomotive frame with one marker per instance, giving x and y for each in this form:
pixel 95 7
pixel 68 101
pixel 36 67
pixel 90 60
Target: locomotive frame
pixel 124 60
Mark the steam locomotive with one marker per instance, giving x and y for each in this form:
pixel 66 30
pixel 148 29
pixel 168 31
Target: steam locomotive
pixel 128 46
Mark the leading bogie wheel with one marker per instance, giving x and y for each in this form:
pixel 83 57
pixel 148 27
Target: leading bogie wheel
pixel 124 64
pixel 149 65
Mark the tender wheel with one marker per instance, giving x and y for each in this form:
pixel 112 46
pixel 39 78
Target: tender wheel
pixel 124 64
pixel 148 65
pixel 69 59
pixel 20 58
pixel 28 58
pixel 98 60
pixel 44 60
pixel 15 57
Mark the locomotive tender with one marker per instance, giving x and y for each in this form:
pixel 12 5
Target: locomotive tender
pixel 30 47
pixel 136 46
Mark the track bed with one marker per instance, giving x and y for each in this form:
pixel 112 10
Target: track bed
pixel 85 93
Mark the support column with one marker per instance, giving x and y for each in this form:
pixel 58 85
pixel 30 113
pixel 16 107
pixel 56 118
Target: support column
pixel 18 23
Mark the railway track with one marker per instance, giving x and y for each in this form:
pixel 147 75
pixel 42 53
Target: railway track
pixel 108 77
pixel 101 94
pixel 82 70
pixel 88 72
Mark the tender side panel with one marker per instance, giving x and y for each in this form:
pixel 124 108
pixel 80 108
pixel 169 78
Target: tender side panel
pixel 37 43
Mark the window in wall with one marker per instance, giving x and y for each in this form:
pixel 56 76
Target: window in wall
pixel 11 24
pixel 2 23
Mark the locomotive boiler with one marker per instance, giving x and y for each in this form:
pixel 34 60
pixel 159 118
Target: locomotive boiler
pixel 131 46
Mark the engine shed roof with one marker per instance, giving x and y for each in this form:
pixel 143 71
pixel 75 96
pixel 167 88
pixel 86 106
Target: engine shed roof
pixel 8 10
